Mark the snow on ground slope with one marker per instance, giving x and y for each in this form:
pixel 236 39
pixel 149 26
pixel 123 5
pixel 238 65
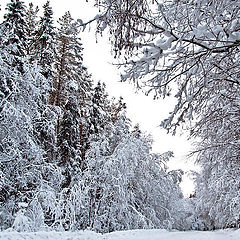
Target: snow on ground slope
pixel 174 235
pixel 125 235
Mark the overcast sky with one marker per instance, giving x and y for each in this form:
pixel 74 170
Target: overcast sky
pixel 141 109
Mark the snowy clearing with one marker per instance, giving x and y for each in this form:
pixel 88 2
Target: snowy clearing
pixel 157 234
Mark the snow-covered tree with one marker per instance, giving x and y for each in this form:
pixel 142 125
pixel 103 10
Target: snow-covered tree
pixel 124 186
pixel 191 43
pixel 25 171
pixel 40 50
pixel 31 19
pixel 218 155
pixel 189 49
pixel 68 63
pixel 23 167
pixel 69 142
pixel 13 32
pixel 72 94
pixel 44 45
pixel 100 114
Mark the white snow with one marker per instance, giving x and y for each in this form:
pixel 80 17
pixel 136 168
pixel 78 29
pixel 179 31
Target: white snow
pixel 164 44
pixel 154 234
pixel 81 235
pixel 74 85
pixel 174 235
pixel 22 204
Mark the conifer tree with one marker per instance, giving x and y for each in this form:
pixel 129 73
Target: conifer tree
pixel 117 108
pixel 13 31
pixel 14 23
pixel 41 49
pixel 69 70
pixel 11 43
pixel 72 86
pixel 31 20
pixel 45 42
pixel 100 112
pixel 69 154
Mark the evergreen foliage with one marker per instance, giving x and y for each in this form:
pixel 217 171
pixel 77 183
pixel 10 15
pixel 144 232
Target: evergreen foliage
pixel 44 44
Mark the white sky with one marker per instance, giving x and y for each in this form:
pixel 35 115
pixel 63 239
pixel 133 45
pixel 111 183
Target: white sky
pixel 141 109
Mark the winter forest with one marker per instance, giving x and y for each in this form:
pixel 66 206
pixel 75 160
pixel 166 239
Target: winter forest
pixel 70 158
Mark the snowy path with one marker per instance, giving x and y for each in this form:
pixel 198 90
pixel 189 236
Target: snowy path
pixel 125 235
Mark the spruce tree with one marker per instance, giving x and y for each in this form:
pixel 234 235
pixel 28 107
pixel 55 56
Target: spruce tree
pixel 13 31
pixel 100 111
pixel 72 85
pixel 41 38
pixel 45 42
pixel 14 24
pixel 31 19
pixel 69 154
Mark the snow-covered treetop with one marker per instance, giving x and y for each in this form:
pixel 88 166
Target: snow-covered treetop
pixel 191 43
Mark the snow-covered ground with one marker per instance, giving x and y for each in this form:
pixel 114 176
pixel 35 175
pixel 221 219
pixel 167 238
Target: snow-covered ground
pixel 125 235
